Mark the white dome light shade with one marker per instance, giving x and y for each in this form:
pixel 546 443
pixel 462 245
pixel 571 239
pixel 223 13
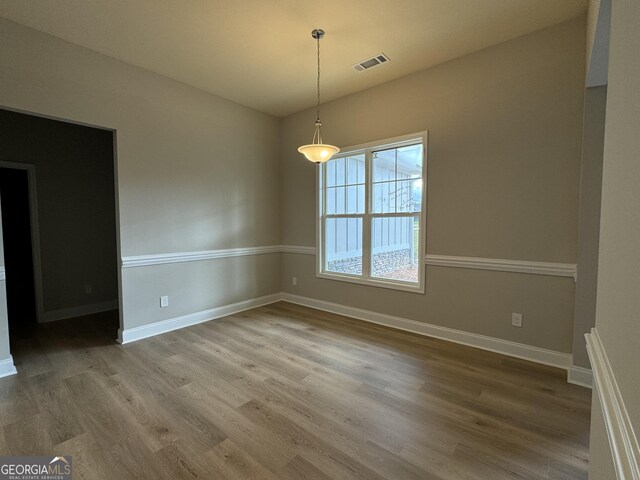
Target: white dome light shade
pixel 318 152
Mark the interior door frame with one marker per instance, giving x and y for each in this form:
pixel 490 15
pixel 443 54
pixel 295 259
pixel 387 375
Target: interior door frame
pixel 36 256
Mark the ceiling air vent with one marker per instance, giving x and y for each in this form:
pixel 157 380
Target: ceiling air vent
pixel 370 62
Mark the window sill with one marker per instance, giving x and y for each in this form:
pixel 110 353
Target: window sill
pixel 403 286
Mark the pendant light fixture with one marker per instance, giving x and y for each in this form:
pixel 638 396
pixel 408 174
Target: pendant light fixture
pixel 317 151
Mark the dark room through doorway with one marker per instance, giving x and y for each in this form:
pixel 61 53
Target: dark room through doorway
pixel 58 206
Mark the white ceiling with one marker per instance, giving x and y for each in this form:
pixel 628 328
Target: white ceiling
pixel 260 52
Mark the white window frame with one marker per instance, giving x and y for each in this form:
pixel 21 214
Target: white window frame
pixel 366 279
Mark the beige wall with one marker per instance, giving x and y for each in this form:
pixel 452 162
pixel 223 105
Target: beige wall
pixel 504 158
pixel 225 280
pixel 618 301
pixel 76 205
pixel 592 25
pixel 194 171
pixel 600 460
pixel 595 103
pixel 598 34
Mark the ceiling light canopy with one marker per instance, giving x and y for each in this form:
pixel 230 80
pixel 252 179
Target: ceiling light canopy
pixel 317 151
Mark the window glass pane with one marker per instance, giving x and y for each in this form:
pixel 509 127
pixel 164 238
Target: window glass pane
pixel 341 170
pixel 384 197
pixel 399 163
pixel 340 200
pixel 384 165
pixel 330 167
pixel 376 199
pixel 409 164
pixel 330 236
pixel 355 169
pixel 343 245
pixel 331 200
pixel 395 248
pixel 409 195
pixel 355 199
pixel 361 170
pixel 387 195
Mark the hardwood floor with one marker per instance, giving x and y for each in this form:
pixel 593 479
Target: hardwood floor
pixel 287 392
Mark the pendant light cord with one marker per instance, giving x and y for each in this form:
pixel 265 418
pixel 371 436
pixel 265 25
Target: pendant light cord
pixel 318 83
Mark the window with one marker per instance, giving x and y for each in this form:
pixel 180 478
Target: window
pixel 371 214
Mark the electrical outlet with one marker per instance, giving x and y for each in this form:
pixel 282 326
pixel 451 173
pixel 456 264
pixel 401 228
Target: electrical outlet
pixel 516 319
pixel 88 288
pixel 164 301
pixel 294 280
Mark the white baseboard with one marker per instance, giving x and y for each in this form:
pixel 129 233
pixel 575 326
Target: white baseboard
pixel 138 333
pixel 505 347
pixel 580 376
pixel 7 367
pixel 623 441
pixel 63 313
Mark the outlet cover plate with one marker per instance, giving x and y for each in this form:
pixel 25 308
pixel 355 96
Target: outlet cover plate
pixel 516 319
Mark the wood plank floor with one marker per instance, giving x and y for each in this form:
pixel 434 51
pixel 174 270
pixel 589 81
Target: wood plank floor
pixel 287 392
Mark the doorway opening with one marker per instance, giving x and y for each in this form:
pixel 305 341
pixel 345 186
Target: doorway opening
pixel 59 232
pixel 18 249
